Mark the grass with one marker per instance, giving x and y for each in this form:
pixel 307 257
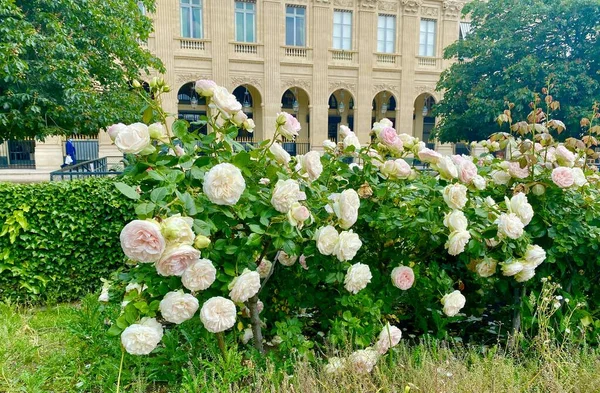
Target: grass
pixel 65 348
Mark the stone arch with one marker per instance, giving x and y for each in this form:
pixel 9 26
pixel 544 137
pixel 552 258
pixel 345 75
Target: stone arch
pixel 255 110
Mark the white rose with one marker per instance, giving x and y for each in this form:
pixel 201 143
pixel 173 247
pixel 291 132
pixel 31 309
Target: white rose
pixel 335 365
pixel 285 194
pixel 134 286
pixel 114 130
pixel 534 255
pixel 264 181
pixel 327 238
pixel 247 336
pixel 351 140
pixel 205 87
pixel 285 259
pixel 264 268
pixel 407 140
pixel 457 241
pixel 579 177
pixel 453 302
pixel 344 131
pixel 158 131
pixel 104 297
pixel 500 177
pixel 329 145
pixel 346 208
pixel 518 204
pixel 388 338
pixel 133 139
pixel 525 275
pixel 311 163
pixel 142 241
pixel 226 102
pixel 176 259
pixel 298 214
pixel 281 156
pixel 455 196
pixel 487 267
pixel 489 201
pixel 509 225
pixel 564 156
pixel 363 361
pixel 510 269
pixel 447 168
pixel 357 277
pixel 224 184
pixel 347 246
pixel 141 338
pixel 178 307
pixel 396 169
pixel 244 286
pixel 218 314
pixel 479 182
pixel 289 125
pixel 178 229
pixel 199 276
pixel 456 221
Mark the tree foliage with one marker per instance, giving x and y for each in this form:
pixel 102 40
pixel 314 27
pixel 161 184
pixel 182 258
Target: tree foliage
pixel 516 48
pixel 66 65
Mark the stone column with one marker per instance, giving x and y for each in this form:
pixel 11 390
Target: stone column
pixel 321 22
pixel 272 17
pixel 219 29
pixel 166 23
pixel 410 42
pixel 49 154
pixel 106 148
pixel 367 26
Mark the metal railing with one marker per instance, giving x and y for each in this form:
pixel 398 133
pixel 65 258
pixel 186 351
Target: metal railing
pixel 17 154
pixel 105 166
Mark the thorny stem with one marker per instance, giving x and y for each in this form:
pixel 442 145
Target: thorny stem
pixel 252 304
pixel 221 342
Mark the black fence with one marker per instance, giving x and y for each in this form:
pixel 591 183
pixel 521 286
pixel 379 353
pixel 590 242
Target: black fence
pixel 17 154
pixel 105 166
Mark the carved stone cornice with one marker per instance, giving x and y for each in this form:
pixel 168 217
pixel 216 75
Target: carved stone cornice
pixel 322 1
pixel 426 88
pixel 387 6
pixel 430 12
pixel 288 83
pixel 411 6
pixel 245 80
pixel 452 8
pixel 368 4
pixel 378 88
pixel 183 78
pixel 343 3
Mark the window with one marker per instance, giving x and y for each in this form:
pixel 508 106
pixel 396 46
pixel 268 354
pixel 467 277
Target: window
pixel 464 30
pixel 142 7
pixel 191 18
pixel 427 38
pixel 342 30
pixel 245 21
pixel 295 25
pixel 386 34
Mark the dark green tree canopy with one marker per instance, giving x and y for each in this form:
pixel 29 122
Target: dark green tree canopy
pixel 66 65
pixel 515 49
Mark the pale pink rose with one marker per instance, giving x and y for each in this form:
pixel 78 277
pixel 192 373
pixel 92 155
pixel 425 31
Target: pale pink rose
pixel 311 164
pixel 178 307
pixel 515 170
pixel 430 156
pixel 176 260
pixel 239 118
pixel 289 125
pixel 389 337
pixel 133 139
pixel 142 241
pixel 403 277
pixel 302 262
pixel 344 131
pixel 205 87
pixel 563 177
pixel 226 102
pixel 298 214
pixel 388 136
pixel 244 286
pixel 179 151
pixel 396 169
pixel 114 130
pixel 564 156
pixel 466 171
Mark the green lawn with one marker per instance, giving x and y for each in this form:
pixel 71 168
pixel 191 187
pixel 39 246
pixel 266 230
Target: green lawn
pixel 65 348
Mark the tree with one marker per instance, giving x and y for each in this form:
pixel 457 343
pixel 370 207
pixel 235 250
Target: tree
pixel 66 66
pixel 517 48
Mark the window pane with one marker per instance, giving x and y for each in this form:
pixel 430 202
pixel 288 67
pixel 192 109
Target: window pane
pixel 239 5
pixel 196 23
pixel 347 44
pixel 380 34
pixel 185 22
pixel 197 2
pixel 300 11
pixel 249 27
pixel 289 30
pixel 346 31
pixel 239 26
pixel 337 30
pixel 337 17
pixel 300 31
pixel 347 18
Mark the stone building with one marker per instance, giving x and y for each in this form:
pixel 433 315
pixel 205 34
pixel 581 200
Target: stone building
pixel 328 62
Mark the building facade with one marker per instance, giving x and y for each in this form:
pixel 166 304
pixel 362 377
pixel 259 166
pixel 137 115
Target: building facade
pixel 328 62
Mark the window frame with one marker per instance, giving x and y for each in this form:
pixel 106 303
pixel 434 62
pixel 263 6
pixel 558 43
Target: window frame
pixel 343 37
pixel 245 11
pixel 386 28
pixel 295 17
pixel 427 44
pixel 188 4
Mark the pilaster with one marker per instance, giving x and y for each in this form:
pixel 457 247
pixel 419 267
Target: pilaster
pixel 367 25
pixel 410 40
pixel 322 17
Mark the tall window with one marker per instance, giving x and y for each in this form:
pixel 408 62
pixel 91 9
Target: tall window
pixel 245 21
pixel 427 38
pixel 342 30
pixel 464 30
pixel 295 25
pixel 191 18
pixel 386 34
pixel 142 7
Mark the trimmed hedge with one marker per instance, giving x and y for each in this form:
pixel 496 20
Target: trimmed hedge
pixel 58 239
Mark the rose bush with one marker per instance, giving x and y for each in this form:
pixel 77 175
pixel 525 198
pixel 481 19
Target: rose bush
pixel 377 240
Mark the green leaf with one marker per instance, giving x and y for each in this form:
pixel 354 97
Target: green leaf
pixel 158 194
pixel 241 159
pixel 188 202
pixel 147 116
pixel 127 190
pixel 256 229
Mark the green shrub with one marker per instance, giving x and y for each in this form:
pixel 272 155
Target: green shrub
pixel 58 239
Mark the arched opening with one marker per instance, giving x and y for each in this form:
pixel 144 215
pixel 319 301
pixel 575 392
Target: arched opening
pixel 384 106
pixel 423 119
pixel 295 101
pixel 341 112
pixel 190 106
pixel 251 102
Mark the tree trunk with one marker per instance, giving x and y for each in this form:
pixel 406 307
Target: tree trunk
pixel 255 320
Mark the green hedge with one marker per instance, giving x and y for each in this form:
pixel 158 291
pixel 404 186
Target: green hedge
pixel 58 239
